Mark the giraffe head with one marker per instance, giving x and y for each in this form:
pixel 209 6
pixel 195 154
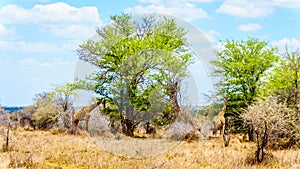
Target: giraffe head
pixel 227 99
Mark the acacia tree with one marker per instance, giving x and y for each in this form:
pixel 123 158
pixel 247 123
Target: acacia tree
pixel 140 65
pixel 242 65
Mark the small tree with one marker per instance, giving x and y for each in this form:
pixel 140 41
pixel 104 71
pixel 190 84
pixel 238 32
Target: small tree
pixel 45 115
pixel 271 121
pixel 63 97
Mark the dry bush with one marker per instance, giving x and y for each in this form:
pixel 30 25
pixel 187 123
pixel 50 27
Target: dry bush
pixel 192 136
pixel 271 122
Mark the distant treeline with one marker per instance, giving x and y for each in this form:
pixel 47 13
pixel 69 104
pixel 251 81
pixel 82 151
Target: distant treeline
pixel 12 109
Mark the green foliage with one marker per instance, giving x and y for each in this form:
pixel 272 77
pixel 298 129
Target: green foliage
pixel 242 66
pixel 112 111
pixel 137 62
pixel 283 81
pixel 67 89
pixel 45 116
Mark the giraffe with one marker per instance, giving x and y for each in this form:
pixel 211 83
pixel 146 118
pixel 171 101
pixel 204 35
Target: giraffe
pixel 219 120
pixel 84 113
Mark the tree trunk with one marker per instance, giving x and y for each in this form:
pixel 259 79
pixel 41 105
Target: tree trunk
pixel 296 94
pixel 250 133
pixel 260 154
pixel 173 90
pixel 6 146
pixel 128 127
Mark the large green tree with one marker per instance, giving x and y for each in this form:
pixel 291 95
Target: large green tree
pixel 242 66
pixel 284 80
pixel 140 65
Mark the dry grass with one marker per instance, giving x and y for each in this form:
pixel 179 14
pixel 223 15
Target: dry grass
pixel 41 149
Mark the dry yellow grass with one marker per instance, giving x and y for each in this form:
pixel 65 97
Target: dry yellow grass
pixel 41 149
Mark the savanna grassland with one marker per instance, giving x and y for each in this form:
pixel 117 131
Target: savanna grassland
pixel 54 150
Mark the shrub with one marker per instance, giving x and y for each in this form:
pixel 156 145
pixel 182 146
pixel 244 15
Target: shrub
pixel 271 121
pixel 45 116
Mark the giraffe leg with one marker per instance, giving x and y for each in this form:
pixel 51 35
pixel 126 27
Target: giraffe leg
pixel 215 129
pixel 87 118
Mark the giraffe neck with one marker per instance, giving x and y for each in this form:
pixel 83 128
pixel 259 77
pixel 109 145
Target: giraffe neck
pixel 223 109
pixel 93 106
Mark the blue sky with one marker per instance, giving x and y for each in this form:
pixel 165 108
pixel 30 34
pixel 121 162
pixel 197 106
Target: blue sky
pixel 38 38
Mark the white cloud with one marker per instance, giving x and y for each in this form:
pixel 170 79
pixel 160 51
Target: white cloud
pixel 245 8
pixel 42 1
pixel 58 17
pixel 286 3
pixel 254 8
pixel 151 1
pixel 187 11
pixel 292 44
pixel 200 1
pixel 174 1
pixel 5 31
pixel 250 27
pixel 219 46
pixel 211 35
pixel 50 14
